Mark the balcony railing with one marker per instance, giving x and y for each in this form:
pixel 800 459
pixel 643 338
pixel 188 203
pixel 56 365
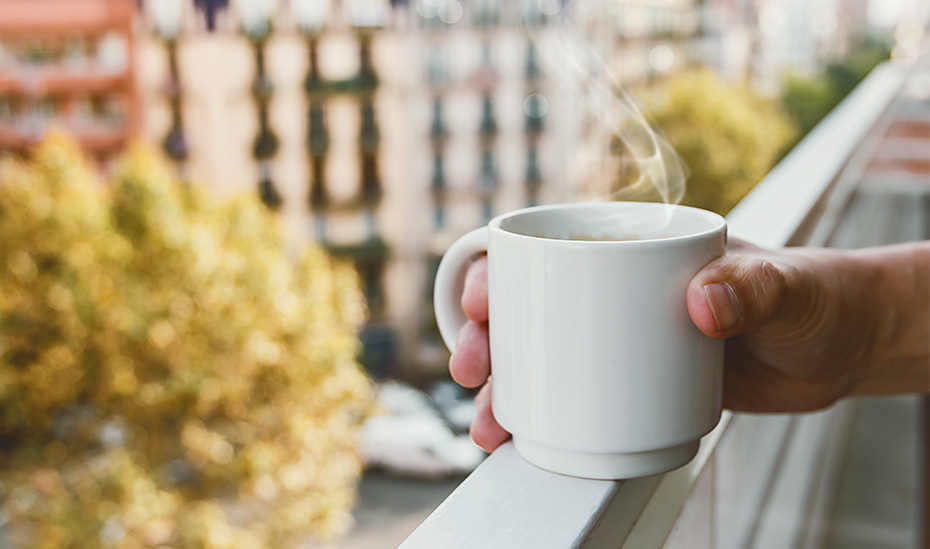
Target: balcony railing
pixel 758 480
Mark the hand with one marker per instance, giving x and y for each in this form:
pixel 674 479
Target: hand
pixel 804 327
pixel 470 365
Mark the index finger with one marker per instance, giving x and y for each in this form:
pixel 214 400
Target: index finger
pixel 475 295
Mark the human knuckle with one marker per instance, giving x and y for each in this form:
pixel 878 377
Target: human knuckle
pixel 773 278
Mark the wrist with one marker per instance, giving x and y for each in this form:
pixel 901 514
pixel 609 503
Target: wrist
pixel 895 288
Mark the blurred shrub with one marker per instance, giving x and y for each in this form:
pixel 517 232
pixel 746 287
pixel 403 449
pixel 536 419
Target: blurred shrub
pixel 809 98
pixel 168 375
pixel 728 136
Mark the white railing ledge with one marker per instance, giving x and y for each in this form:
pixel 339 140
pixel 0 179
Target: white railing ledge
pixel 507 501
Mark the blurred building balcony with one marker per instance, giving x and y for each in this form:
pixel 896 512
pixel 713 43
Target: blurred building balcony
pixel 96 140
pixel 30 18
pixel 68 64
pixel 58 80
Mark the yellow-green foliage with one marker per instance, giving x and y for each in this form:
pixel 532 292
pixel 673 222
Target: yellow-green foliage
pixel 728 136
pixel 169 376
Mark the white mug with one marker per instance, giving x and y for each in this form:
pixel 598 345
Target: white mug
pixel 597 369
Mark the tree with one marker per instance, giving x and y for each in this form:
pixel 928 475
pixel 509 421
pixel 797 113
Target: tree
pixel 728 136
pixel 169 374
pixel 807 99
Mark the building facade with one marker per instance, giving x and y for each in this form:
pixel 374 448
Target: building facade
pixel 382 138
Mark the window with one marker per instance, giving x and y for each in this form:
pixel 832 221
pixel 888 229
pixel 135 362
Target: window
pixel 379 355
pixel 366 71
pixel 438 127
pixel 532 14
pixel 533 175
pixel 486 13
pixel 486 61
pixel 371 184
pixel 488 123
pixel 533 106
pixel 436 66
pixel 313 79
pixel 368 133
pixel 371 224
pixel 266 143
pixel 370 273
pixel 488 173
pixel 439 216
pixel 438 182
pixel 319 224
pixel 532 62
pixel 487 210
pixel 369 125
pixel 318 198
pixel 266 190
pixel 317 138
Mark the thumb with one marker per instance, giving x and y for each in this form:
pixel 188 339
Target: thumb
pixel 737 293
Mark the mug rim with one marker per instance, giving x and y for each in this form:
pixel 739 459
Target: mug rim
pixel 719 223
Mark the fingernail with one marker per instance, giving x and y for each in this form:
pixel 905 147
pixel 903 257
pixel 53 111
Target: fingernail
pixel 723 305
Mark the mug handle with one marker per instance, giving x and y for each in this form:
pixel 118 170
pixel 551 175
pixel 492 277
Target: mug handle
pixel 450 282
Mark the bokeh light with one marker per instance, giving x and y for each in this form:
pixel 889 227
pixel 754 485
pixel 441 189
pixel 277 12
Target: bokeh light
pixel 661 57
pixel 535 105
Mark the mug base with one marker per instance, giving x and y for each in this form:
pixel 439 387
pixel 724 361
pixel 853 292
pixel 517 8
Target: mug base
pixel 606 466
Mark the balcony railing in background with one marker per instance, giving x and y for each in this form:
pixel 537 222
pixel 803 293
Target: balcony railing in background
pixel 758 480
pixel 56 90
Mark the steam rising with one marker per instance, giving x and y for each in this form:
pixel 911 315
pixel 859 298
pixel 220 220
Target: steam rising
pixel 638 163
